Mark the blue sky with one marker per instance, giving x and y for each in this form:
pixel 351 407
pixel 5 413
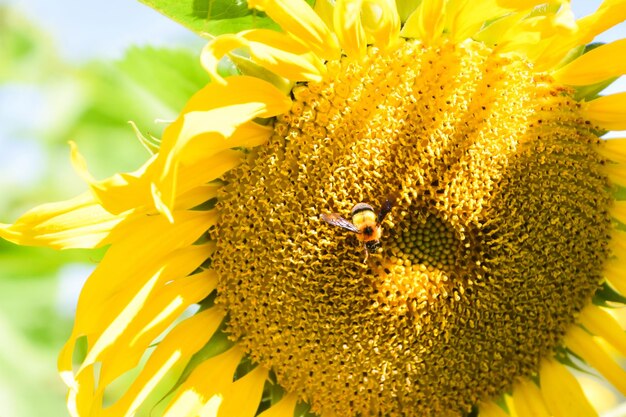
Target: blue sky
pixel 102 29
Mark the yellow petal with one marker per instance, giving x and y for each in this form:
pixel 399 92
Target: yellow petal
pixel 609 14
pixel 273 50
pixel 564 19
pixel 427 21
pixel 583 345
pixel 208 131
pixel 597 65
pixel 562 392
pixel 171 354
pixel 382 22
pixel 197 144
pixel 215 50
pixel 178 179
pixel 211 377
pixel 518 4
pixel 508 400
pixel 284 56
pixel 614 149
pixel 362 22
pixel 80 222
pixel 349 28
pixel 225 109
pixel 602 324
pixel 531 35
pixel 237 90
pixel 119 193
pixel 195 138
pixel 298 19
pixel 608 112
pixel 284 408
pixel 196 196
pixel 618 244
pixel 167 304
pixel 528 400
pixel 80 398
pixel 108 337
pixel 242 398
pixel 490 409
pixel 325 10
pixel 614 272
pixel 240 89
pixel 125 313
pixel 506 27
pixel 464 18
pixel 616 173
pixel 193 176
pixel 118 271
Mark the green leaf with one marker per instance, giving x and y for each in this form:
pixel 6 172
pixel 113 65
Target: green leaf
pixel 213 17
pixel 170 75
pixel 25 49
pixel 16 261
pixel 148 84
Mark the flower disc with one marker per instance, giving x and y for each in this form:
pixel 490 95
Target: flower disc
pixel 495 241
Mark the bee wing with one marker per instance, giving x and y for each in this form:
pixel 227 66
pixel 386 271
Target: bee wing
pixel 385 208
pixel 336 220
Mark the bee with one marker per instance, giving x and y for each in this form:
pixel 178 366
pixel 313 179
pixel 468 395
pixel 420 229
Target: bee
pixel 366 223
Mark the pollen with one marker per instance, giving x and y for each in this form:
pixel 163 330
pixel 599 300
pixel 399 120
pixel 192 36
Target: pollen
pixel 495 242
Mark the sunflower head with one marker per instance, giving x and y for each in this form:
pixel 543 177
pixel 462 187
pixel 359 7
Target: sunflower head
pixel 496 175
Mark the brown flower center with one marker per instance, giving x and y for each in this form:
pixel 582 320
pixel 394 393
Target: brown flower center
pixel 496 239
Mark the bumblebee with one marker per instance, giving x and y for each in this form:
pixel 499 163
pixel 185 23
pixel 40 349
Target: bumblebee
pixel 366 223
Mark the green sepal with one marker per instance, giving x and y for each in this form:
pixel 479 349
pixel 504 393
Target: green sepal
pixel 206 206
pixel 586 92
pixel 219 343
pixel 248 67
pixel 606 294
pixel 473 412
pixel 227 68
pixel 406 8
pixel 246 365
pixel 213 17
pixel 564 356
pixel 303 410
pixel 589 92
pixel 571 55
pixel 619 193
pixel 151 143
pixel 274 391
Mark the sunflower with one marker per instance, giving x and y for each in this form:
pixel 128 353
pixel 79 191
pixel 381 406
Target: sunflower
pixel 475 124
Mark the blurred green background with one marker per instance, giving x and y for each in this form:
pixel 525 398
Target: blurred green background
pixel 76 70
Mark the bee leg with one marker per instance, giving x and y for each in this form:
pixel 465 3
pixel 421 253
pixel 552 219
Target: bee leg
pixel 367 253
